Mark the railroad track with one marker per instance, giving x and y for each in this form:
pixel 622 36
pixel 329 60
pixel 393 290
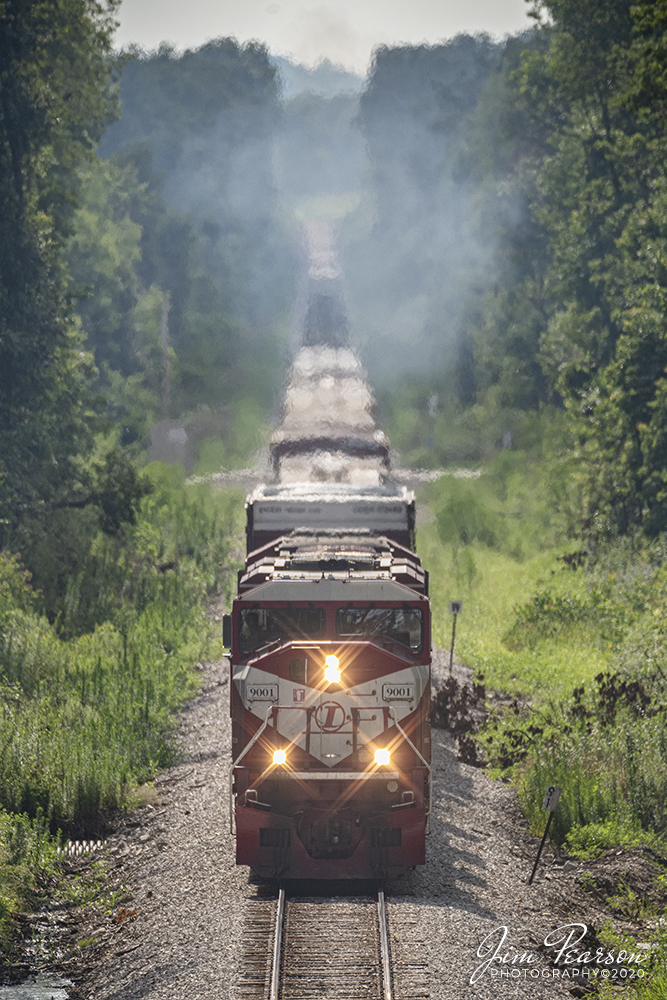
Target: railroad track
pixel 322 946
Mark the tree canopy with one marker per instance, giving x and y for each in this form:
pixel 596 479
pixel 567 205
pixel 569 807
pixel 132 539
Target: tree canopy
pixel 56 96
pixel 598 93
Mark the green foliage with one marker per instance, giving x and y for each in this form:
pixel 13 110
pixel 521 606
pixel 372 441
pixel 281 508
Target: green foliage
pixel 102 256
pixel 87 703
pixel 606 750
pixel 56 545
pixel 601 201
pixel 207 118
pixel 605 743
pixel 593 839
pixel 578 639
pixel 527 507
pixel 415 263
pixel 55 63
pixel 463 517
pixel 180 540
pixel 513 505
pixel 27 854
pixel 532 175
pixel 547 615
pixel 608 774
pixel 85 718
pixel 158 307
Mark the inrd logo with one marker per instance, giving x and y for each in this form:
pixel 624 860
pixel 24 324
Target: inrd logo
pixel 330 717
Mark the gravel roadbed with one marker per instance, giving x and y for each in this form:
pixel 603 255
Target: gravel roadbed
pixel 179 933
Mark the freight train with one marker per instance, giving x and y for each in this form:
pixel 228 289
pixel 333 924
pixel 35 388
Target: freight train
pixel 329 640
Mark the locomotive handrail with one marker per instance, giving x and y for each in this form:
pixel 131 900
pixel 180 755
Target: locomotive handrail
pixel 426 764
pixel 238 761
pixel 270 712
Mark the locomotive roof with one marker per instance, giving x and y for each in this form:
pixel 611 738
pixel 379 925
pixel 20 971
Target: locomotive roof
pixel 331 590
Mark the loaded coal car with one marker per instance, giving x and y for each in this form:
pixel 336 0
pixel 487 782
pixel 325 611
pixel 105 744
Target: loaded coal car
pixel 330 685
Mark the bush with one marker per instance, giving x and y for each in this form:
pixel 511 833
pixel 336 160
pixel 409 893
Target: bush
pixel 607 751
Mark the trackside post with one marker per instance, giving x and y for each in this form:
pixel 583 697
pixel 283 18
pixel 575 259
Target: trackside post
pixel 550 803
pixel 454 609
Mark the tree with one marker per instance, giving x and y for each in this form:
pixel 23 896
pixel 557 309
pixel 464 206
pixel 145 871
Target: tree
pixel 599 93
pixel 56 96
pixel 415 272
pixel 208 118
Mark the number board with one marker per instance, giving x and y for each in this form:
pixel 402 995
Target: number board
pixel 398 692
pixel 262 692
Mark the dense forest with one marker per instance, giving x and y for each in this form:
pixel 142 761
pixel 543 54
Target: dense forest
pixel 516 258
pixel 501 215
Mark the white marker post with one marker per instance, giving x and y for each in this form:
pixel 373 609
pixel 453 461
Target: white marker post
pixel 550 803
pixel 454 609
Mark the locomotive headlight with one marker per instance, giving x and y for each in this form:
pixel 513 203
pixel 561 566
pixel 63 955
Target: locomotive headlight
pixel 382 756
pixel 279 756
pixel 332 669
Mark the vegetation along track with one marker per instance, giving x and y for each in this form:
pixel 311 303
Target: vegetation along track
pixel 320 945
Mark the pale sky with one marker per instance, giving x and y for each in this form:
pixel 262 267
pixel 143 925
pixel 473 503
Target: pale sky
pixel 344 31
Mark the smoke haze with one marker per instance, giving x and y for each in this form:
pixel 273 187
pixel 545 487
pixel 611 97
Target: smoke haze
pixel 273 175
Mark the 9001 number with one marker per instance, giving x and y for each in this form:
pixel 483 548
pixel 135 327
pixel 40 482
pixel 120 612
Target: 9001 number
pixel 262 692
pixel 398 692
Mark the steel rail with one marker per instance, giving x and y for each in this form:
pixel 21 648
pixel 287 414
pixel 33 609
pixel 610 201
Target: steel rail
pixel 387 991
pixel 274 991
pixel 276 958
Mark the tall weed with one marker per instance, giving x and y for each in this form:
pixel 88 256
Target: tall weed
pixel 86 702
pixel 27 851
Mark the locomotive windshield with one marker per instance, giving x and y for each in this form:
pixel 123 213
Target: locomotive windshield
pixel 404 626
pixel 261 626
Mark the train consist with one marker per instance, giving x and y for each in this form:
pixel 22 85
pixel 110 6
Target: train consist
pixel 330 637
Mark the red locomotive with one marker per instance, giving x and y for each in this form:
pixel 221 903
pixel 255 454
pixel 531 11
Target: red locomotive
pixel 330 690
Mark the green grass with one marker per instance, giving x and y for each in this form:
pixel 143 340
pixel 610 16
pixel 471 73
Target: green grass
pixel 490 594
pixel 27 854
pixel 584 651
pixel 87 701
pixel 494 542
pixel 85 716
